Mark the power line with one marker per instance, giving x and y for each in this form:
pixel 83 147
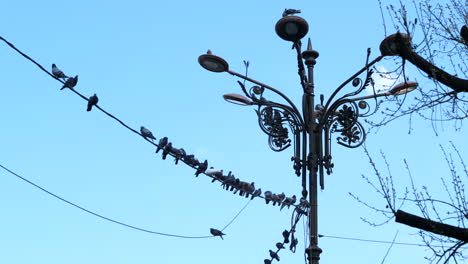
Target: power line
pixel 110 219
pixel 158 146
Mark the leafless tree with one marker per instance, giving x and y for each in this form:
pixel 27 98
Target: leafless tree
pixel 443 222
pixel 428 36
pixel 431 35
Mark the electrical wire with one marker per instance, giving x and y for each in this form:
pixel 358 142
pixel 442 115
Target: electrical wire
pixel 232 220
pixel 110 219
pixel 100 108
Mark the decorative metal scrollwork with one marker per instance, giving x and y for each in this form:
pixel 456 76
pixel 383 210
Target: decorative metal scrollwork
pixel 345 123
pixel 277 123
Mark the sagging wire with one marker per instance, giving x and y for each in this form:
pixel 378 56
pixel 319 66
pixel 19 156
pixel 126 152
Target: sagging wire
pixel 115 221
pixel 229 182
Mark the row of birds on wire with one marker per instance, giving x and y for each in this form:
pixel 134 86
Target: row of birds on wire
pixel 229 182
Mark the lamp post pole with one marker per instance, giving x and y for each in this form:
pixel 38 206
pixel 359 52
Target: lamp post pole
pixel 315 124
pixel 314 132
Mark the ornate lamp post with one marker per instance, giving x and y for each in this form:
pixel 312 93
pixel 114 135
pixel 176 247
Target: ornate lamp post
pixel 312 128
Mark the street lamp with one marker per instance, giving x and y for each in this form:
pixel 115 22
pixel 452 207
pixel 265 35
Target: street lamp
pixel 312 127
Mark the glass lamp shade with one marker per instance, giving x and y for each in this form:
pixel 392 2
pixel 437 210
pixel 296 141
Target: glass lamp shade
pixel 213 63
pixel 237 99
pixel 404 87
pixel 292 28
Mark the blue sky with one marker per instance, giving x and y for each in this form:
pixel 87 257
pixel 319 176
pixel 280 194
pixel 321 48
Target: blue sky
pixel 140 58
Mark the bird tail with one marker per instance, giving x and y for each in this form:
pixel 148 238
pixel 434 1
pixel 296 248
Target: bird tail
pixel 89 108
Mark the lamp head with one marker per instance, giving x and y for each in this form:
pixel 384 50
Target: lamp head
pixel 292 28
pixel 404 87
pixel 213 63
pixel 390 46
pixel 237 99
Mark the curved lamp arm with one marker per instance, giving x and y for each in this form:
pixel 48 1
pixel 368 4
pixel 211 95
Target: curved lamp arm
pixel 293 106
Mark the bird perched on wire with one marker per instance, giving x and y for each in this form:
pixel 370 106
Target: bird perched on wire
pixel 179 154
pixel 162 143
pixel 267 261
pixel 93 100
pixel 286 236
pixel 268 197
pixel 279 245
pixel 293 245
pixel 288 201
pixel 70 83
pixel 274 255
pixel 167 149
pixel 256 193
pixel 201 168
pixel 216 232
pixel 288 12
pixel 146 133
pixel 57 72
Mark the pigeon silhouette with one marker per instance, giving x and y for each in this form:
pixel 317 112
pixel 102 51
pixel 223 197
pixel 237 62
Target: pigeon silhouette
pixel 93 100
pixel 216 232
pixel 70 83
pixel 274 255
pixel 146 133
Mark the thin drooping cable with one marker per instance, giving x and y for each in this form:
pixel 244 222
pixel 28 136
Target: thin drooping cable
pixel 109 219
pixel 232 220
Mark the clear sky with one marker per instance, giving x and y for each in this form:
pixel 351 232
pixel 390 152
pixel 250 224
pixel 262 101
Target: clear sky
pixel 140 58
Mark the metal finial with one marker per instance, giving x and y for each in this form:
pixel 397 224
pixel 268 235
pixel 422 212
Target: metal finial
pixel 309 45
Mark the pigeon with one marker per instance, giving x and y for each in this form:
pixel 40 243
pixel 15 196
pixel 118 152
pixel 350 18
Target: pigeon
pixel 70 83
pixel 267 261
pixel 293 245
pixel 179 154
pixel 288 12
pixel 249 188
pixel 275 199
pixel 274 255
pixel 214 172
pixel 256 193
pixel 288 201
pixel 216 232
pixel 57 72
pixel 191 160
pixel 146 133
pixel 304 203
pixel 229 180
pixel 168 148
pixel 279 245
pixel 201 168
pixel 286 236
pixel 93 100
pixel 268 197
pixel 162 143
